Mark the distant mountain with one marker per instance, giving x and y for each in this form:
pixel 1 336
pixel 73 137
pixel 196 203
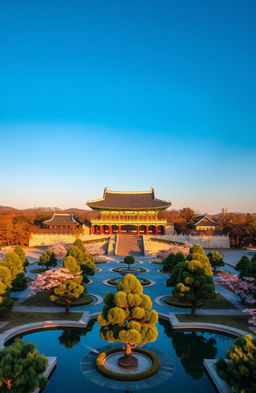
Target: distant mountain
pixel 42 210
pixel 6 208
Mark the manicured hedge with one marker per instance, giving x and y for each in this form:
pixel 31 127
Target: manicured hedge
pixel 143 281
pixel 127 377
pixel 117 269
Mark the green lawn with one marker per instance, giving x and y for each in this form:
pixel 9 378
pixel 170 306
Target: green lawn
pixel 236 321
pixel 220 302
pixel 38 270
pixel 20 318
pixel 42 300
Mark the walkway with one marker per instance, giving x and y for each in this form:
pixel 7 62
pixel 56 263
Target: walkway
pixel 129 244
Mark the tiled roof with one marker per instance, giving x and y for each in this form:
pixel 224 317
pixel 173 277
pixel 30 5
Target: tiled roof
pixel 62 220
pixel 129 200
pixel 204 220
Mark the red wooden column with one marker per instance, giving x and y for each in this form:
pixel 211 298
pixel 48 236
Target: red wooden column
pixel 101 229
pixel 138 230
pixel 92 230
pixel 156 229
pixel 119 228
pixel 146 230
pixel 110 229
pixel 164 230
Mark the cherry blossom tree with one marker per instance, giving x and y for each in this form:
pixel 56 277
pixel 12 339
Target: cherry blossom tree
pixel 94 249
pixel 60 283
pixel 59 249
pixel 243 287
pixel 184 248
pixel 252 313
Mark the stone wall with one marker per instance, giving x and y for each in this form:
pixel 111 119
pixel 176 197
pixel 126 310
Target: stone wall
pixel 48 239
pixel 152 247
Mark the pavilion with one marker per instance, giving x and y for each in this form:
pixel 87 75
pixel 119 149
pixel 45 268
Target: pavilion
pixel 133 212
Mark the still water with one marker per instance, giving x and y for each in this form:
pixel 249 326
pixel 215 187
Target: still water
pixel 187 350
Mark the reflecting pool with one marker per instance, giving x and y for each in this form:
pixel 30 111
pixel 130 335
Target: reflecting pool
pixel 187 350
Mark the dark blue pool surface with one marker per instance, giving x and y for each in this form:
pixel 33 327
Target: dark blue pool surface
pixel 187 350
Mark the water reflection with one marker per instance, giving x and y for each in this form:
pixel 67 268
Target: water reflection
pixel 192 348
pixel 71 337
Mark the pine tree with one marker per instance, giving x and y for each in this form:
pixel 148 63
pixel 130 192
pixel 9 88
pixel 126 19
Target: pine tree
pixel 238 371
pixel 21 368
pixel 129 260
pixel 48 259
pixel 127 317
pixel 13 263
pixel 21 254
pixel 194 284
pixel 215 259
pixel 70 264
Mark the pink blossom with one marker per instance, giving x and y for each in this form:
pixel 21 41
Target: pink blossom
pixel 242 287
pixel 50 279
pixel 184 248
pixel 252 313
pixel 60 249
pixel 94 249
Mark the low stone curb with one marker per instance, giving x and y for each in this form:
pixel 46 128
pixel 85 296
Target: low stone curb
pixel 88 369
pixel 3 324
pixel 52 362
pixel 105 282
pixel 220 385
pixel 29 327
pixel 177 325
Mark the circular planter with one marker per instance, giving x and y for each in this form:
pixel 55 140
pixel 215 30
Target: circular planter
pixel 115 281
pixel 174 302
pixel 150 365
pixel 136 262
pixel 83 301
pixel 125 270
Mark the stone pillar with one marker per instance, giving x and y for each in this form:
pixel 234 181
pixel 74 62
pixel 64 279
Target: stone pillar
pixel 146 230
pixel 138 230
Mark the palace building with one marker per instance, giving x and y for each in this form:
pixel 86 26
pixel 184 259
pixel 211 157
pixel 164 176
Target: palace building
pixel 129 212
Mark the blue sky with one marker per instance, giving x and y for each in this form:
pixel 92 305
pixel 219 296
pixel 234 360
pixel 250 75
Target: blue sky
pixel 129 95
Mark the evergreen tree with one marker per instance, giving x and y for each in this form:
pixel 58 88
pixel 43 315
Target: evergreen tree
pixel 13 263
pixel 194 284
pixel 21 254
pixel 215 259
pixel 246 267
pixel 172 260
pixel 188 215
pixel 19 283
pixel 60 283
pixel 83 259
pixel 70 264
pixel 21 368
pixel 238 371
pixel 196 253
pixel 68 292
pixel 48 259
pixel 79 244
pixel 127 317
pixel 129 260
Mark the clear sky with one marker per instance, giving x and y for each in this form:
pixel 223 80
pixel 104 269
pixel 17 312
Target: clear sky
pixel 128 95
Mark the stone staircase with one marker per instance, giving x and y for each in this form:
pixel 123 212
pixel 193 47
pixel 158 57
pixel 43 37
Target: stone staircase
pixel 129 245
